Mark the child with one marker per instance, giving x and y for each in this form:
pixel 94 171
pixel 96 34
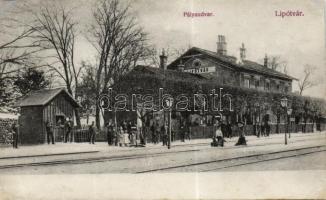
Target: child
pixel 126 138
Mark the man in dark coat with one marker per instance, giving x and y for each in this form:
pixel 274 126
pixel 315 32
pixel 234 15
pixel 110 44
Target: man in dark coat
pixel 223 129
pixel 68 130
pixel 129 125
pixel 154 139
pixel 229 130
pixel 183 130
pixel 15 135
pixel 92 133
pixel 49 132
pixel 188 132
pixel 164 135
pixel 109 128
pixel 267 127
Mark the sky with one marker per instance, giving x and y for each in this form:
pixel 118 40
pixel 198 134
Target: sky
pixel 298 40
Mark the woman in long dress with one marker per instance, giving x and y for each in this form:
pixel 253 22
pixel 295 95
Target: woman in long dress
pixel 126 138
pixel 121 137
pixel 218 139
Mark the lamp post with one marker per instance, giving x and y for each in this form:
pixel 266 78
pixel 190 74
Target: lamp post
pixel 289 112
pixel 284 104
pixel 169 104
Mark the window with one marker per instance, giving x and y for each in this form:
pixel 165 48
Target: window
pixel 247 83
pixel 286 89
pixel 256 83
pixel 59 119
pixel 196 63
pixel 267 86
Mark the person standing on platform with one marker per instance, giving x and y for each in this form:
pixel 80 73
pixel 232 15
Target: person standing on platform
pixel 182 131
pixel 109 128
pixel 121 136
pixel 218 139
pixel 129 125
pixel 115 134
pixel 14 128
pixel 158 137
pixel 267 127
pixel 229 129
pixel 164 134
pixel 188 131
pixel 133 135
pixel 242 139
pixel 68 130
pixel 126 139
pixel 124 125
pixel 49 132
pixel 92 133
pixel 153 134
pixel 223 128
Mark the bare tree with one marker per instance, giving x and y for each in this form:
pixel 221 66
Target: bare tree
pixel 16 53
pixel 119 41
pixel 277 63
pixel 55 32
pixel 306 81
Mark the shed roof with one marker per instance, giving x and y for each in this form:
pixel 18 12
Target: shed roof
pixel 43 97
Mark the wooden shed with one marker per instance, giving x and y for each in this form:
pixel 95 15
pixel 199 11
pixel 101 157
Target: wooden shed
pixel 37 107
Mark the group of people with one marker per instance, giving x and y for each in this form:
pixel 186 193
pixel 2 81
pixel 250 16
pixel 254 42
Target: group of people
pixel 67 125
pixel 124 135
pixel 226 131
pixel 128 133
pixel 161 133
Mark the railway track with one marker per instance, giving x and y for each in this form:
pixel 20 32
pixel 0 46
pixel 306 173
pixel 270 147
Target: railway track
pixel 240 161
pixel 146 155
pixel 96 159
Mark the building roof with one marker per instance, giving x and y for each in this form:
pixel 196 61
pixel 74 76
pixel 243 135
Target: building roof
pixel 231 61
pixel 43 97
pixel 168 74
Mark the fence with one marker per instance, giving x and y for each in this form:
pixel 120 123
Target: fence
pixel 78 134
pixel 208 131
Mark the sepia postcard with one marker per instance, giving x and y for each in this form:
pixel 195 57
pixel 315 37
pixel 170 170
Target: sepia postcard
pixel 173 99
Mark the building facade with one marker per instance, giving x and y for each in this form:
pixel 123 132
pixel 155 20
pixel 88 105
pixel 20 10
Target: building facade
pixel 228 70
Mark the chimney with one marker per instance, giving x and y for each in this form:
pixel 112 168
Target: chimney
pixel 163 60
pixel 265 61
pixel 221 45
pixel 181 66
pixel 242 52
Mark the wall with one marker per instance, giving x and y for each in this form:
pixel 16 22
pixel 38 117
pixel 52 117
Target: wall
pixel 219 71
pixel 58 106
pixel 31 122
